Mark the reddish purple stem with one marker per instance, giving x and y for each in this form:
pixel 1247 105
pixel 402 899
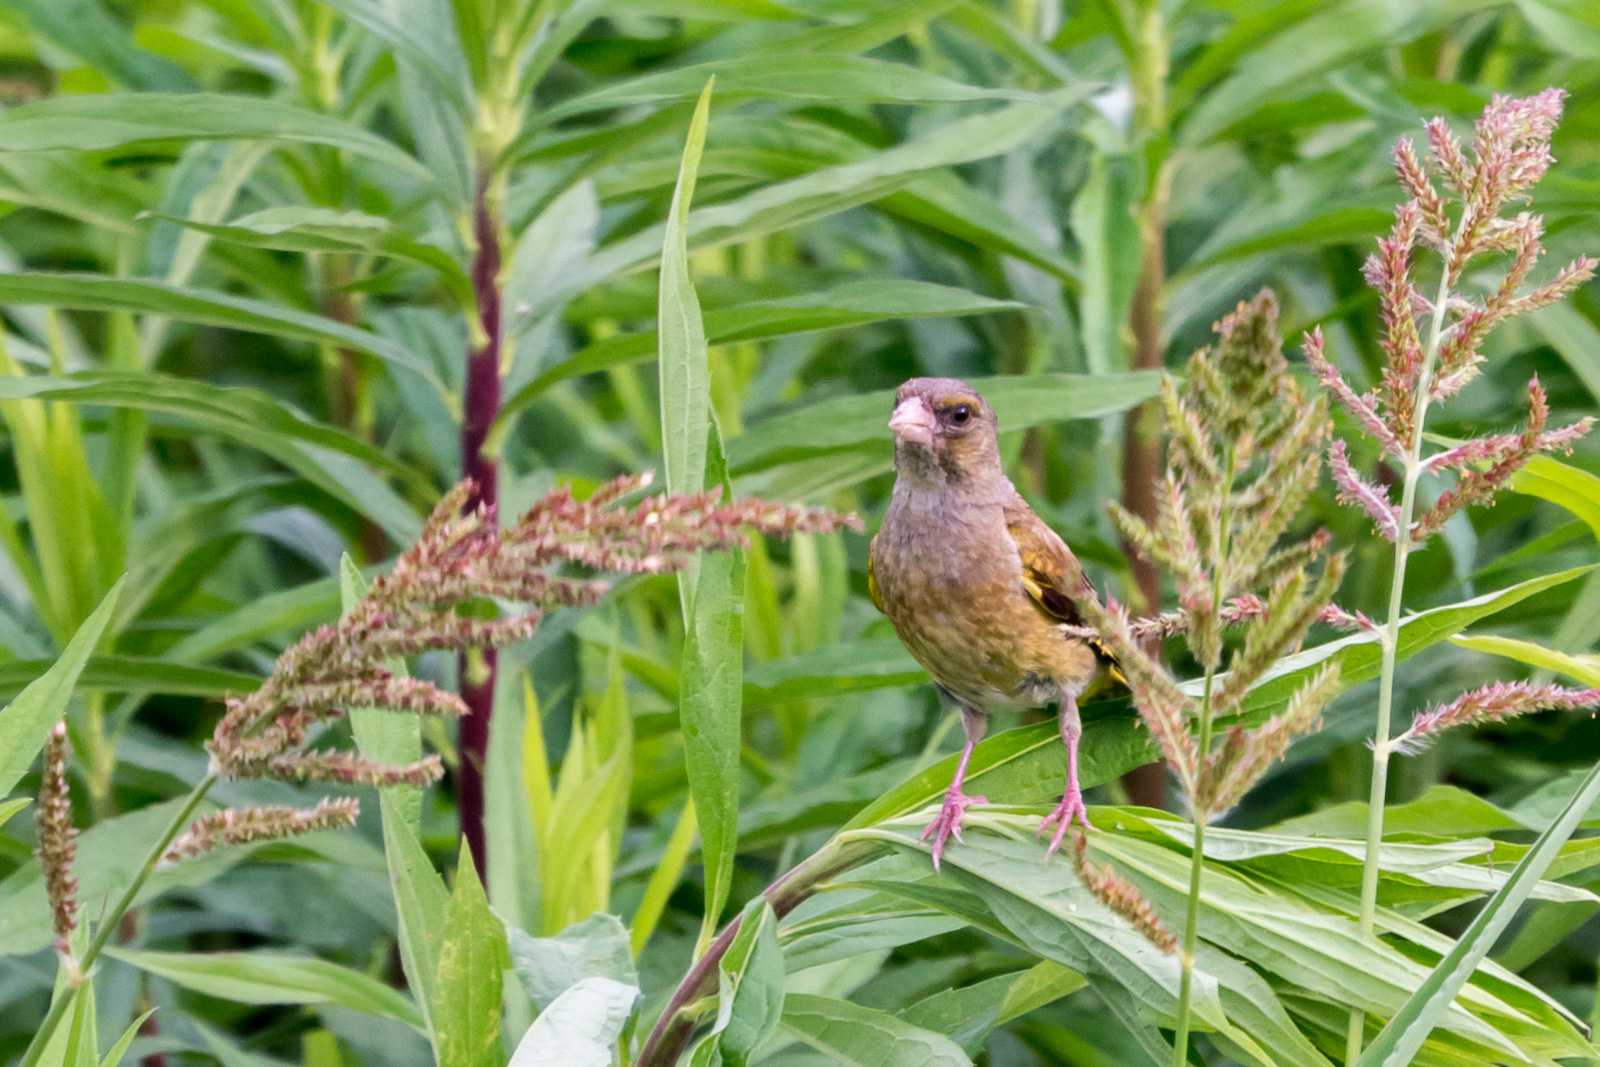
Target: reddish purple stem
pixel 481 407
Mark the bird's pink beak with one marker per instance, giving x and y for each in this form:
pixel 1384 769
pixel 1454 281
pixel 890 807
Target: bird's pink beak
pixel 913 422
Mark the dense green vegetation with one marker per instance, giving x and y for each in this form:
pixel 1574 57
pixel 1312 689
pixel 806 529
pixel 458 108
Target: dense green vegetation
pixel 279 275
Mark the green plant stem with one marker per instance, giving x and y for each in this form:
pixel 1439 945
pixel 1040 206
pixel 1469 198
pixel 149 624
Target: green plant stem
pixel 674 1026
pixel 1381 747
pixel 1197 865
pixel 113 918
pixel 1191 920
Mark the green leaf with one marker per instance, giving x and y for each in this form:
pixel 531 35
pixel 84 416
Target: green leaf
pixel 1575 338
pixel 273 978
pixel 99 292
pixel 1103 223
pixel 859 422
pixel 89 32
pixel 328 458
pixel 472 962
pixel 685 377
pixel 319 229
pixel 115 1054
pixel 581 1028
pixel 1404 1034
pixel 421 900
pixel 709 708
pixel 596 947
pixel 1337 33
pixel 805 77
pixel 854 667
pixel 1024 765
pixel 90 122
pixel 866 1037
pixel 9 808
pixel 135 674
pixel 832 189
pixel 26 722
pixel 969 1014
pixel 1562 484
pixel 750 993
pixel 855 303
pixel 1584 669
pixel 437 56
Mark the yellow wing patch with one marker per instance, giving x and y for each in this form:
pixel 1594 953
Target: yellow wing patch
pixel 872 587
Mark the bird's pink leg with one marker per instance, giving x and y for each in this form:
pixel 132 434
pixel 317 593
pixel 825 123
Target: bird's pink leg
pixel 1071 806
pixel 948 823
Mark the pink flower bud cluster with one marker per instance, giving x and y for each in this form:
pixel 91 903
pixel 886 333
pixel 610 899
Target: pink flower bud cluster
pixel 1433 348
pixel 461 556
pixel 1493 703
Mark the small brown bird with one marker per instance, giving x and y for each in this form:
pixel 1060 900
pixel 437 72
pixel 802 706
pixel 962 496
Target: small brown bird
pixel 976 585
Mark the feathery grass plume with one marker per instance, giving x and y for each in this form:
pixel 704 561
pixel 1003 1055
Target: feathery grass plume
pixel 1244 455
pixel 460 556
pixel 243 826
pixel 1432 349
pixel 1495 702
pixel 1120 895
pixel 1245 452
pixel 58 839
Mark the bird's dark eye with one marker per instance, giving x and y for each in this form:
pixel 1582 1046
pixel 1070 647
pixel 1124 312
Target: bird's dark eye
pixel 960 415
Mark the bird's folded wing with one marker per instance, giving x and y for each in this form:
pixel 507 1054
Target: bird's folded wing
pixel 1047 563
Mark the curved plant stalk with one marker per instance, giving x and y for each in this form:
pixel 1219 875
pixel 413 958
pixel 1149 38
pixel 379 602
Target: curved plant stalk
pixel 1197 866
pixel 1389 640
pixel 1510 152
pixel 674 1027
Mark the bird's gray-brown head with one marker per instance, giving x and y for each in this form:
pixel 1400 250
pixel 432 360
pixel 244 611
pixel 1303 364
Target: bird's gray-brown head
pixel 944 433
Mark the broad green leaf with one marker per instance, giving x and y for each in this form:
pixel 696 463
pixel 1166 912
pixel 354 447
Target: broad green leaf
pixel 319 229
pixel 860 422
pixel 833 189
pixel 806 77
pixel 857 666
pixel 855 303
pixel 1404 1034
pixel 1025 765
pixel 1106 231
pixel 596 947
pixel 1562 484
pixel 99 292
pixel 1337 33
pixel 133 673
pixel 422 902
pixel 685 377
pixel 326 457
pixel 472 962
pixel 90 122
pixel 865 1037
pixel 26 722
pixel 581 1028
pixel 709 706
pixel 750 992
pixel 1584 669
pixel 274 978
pixel 968 1015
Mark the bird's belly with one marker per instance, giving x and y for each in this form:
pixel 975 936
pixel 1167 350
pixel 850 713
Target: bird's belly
pixel 982 657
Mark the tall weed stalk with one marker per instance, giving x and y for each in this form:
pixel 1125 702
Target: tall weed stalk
pixel 1432 349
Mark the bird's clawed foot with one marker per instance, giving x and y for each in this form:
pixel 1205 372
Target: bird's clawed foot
pixel 948 823
pixel 1071 808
